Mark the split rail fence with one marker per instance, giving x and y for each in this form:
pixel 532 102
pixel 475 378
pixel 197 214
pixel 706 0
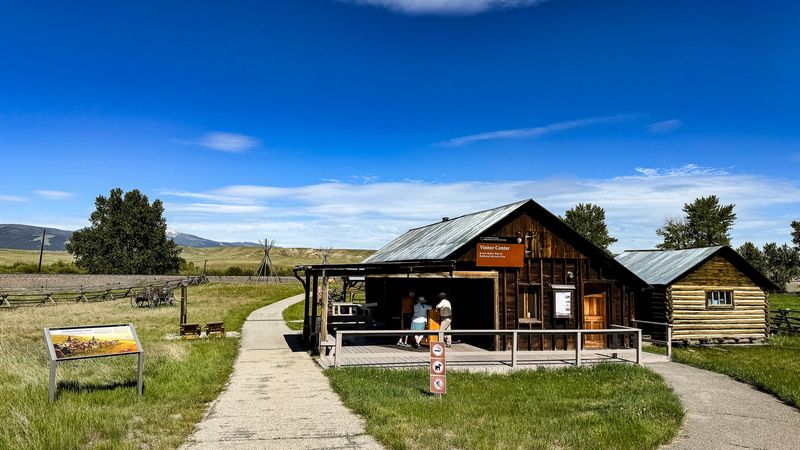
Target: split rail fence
pixel 785 321
pixel 76 294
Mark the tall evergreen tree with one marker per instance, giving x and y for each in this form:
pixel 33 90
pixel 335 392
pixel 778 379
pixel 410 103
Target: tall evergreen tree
pixel 706 223
pixel 127 236
pixel 754 256
pixel 782 263
pixel 796 233
pixel 590 221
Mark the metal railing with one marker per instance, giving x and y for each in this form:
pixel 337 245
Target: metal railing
pixel 578 333
pixel 668 334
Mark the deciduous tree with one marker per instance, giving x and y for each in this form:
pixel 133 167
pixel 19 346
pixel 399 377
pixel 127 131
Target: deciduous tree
pixel 590 221
pixel 127 236
pixel 675 233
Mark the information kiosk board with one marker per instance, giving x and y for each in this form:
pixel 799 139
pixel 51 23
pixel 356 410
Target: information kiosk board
pixel 91 341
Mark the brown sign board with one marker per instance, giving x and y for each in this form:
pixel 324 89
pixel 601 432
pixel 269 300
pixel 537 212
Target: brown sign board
pixel 438 384
pixel 438 369
pixel 494 254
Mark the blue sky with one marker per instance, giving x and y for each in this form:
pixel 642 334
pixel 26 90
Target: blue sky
pixel 324 122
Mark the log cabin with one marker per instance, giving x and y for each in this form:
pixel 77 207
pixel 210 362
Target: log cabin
pixel 517 266
pixel 710 295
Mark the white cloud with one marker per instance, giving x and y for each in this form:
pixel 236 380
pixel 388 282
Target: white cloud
pixel 350 215
pixel 535 132
pixel 216 208
pixel 54 195
pixel 223 142
pixel 446 7
pixel 12 198
pixel 665 126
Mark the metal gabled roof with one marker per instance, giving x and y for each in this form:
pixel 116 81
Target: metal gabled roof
pixel 662 267
pixel 440 240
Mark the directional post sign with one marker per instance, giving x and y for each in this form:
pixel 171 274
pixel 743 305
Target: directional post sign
pixel 438 368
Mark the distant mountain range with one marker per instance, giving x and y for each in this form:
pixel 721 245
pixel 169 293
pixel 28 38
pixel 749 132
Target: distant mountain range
pixel 28 237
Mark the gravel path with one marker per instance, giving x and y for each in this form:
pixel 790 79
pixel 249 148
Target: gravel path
pixel 722 413
pixel 277 397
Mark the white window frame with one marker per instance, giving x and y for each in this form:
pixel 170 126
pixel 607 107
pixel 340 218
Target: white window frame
pixel 719 299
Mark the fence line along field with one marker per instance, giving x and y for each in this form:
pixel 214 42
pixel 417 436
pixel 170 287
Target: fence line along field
pixel 219 258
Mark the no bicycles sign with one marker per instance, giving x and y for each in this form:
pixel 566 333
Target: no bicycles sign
pixel 438 369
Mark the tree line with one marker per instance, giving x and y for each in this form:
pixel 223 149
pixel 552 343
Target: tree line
pixel 704 223
pixel 127 235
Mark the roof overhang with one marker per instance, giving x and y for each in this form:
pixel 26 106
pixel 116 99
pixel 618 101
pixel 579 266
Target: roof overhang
pixel 383 268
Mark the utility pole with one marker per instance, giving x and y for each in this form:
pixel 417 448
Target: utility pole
pixel 41 250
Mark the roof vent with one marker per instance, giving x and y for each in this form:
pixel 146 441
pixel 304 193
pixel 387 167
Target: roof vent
pixel 445 219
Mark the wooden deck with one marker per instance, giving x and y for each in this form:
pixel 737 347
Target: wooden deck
pixel 467 357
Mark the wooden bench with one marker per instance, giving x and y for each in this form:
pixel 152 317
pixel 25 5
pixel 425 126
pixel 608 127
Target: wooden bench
pixel 328 346
pixel 215 328
pixel 190 330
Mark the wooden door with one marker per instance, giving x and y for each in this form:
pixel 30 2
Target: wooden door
pixel 594 318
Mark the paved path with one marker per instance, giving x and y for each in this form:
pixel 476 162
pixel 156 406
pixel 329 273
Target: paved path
pixel 277 398
pixel 722 413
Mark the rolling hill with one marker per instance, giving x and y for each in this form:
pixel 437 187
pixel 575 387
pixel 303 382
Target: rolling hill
pixel 29 237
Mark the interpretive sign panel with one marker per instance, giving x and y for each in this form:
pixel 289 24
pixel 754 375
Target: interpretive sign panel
pixel 92 341
pixel 498 254
pixel 563 304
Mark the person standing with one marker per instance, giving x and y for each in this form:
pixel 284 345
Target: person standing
pixel 420 318
pixel 406 314
pixel 446 313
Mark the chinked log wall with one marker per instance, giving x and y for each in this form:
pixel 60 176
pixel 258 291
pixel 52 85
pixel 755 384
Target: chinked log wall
pixel 694 322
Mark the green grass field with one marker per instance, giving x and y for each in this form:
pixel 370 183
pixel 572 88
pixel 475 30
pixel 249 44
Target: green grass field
pixel 779 301
pixel 773 368
pixel 607 406
pixel 97 405
pixel 292 314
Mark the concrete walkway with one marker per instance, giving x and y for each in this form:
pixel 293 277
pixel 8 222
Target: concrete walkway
pixel 722 413
pixel 277 398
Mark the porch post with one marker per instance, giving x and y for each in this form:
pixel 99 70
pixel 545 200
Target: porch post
pixel 514 340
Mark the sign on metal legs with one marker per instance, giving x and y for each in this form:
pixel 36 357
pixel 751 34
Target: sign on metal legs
pixel 92 341
pixel 438 369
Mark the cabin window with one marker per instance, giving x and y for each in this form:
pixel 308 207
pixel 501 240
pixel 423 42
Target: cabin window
pixel 719 299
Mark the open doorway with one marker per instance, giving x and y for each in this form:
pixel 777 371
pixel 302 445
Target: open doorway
pixel 472 301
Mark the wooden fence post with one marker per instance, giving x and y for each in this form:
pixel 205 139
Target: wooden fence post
pixel 578 348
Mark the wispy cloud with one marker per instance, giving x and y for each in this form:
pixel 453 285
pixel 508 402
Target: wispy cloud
pixel 536 132
pixel 53 195
pixel 446 7
pixel 223 142
pixel 665 126
pixel 12 198
pixel 369 215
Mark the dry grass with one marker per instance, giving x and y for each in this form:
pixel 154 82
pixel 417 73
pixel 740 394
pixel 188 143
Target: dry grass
pixel 97 405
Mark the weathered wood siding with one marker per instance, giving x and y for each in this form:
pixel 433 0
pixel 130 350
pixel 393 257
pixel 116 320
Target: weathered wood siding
pixel 553 259
pixel 693 321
